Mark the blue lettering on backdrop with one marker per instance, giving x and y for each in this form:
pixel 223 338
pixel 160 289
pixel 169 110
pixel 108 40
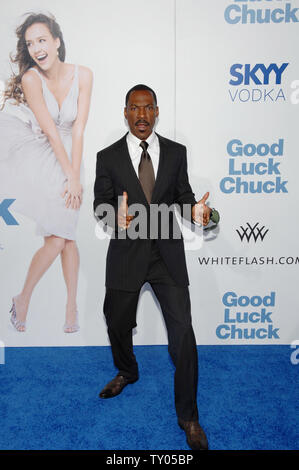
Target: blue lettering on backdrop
pixel 257 75
pixel 242 164
pixel 5 214
pixel 249 73
pixel 243 14
pixel 236 321
pixel 235 148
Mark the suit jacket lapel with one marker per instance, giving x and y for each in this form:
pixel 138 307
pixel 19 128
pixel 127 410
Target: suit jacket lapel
pixel 162 169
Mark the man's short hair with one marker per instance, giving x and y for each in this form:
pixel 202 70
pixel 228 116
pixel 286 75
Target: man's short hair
pixel 140 87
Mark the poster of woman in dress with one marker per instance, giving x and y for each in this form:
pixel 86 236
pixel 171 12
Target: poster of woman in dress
pixel 41 155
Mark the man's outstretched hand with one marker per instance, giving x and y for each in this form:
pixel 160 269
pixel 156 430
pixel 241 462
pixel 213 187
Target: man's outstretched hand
pixel 201 212
pixel 123 219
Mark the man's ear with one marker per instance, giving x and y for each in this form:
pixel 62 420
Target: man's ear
pixel 157 111
pixel 125 113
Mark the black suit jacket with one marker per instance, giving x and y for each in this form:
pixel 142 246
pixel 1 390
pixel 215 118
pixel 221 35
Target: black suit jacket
pixel 127 259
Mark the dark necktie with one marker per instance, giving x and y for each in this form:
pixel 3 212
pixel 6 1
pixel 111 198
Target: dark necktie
pixel 146 172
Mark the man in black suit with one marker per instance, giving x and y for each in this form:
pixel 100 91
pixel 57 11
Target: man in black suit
pixel 147 169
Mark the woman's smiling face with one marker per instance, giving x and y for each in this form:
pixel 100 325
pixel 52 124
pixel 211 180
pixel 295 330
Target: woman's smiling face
pixel 41 45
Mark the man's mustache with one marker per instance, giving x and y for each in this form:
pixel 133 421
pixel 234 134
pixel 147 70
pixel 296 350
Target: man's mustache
pixel 141 121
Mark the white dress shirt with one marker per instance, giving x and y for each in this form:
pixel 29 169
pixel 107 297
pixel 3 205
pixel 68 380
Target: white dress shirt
pixel 135 150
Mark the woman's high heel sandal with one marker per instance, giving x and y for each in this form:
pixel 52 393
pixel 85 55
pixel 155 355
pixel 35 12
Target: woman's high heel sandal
pixel 19 325
pixel 72 328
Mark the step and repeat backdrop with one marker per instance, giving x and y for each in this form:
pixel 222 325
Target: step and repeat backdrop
pixel 226 74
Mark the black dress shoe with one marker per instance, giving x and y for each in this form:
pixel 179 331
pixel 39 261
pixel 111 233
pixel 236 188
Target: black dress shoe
pixel 115 387
pixel 196 438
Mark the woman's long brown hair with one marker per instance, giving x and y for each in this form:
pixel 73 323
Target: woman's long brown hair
pixel 22 57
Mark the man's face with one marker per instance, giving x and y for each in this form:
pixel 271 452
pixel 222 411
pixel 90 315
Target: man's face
pixel 141 113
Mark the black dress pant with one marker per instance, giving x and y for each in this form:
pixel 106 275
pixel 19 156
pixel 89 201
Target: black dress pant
pixel 120 312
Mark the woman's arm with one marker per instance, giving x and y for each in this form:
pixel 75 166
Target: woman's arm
pixel 85 87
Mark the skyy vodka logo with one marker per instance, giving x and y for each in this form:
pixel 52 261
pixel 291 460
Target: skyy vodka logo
pixel 257 82
pixel 261 12
pixel 248 317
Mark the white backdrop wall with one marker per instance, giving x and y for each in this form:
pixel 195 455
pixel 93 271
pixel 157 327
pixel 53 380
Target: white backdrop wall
pixel 183 49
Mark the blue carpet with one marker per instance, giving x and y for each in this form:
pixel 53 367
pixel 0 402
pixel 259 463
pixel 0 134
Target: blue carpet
pixel 248 399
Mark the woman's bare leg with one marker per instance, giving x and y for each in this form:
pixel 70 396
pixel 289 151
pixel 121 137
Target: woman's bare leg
pixel 70 267
pixel 41 261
